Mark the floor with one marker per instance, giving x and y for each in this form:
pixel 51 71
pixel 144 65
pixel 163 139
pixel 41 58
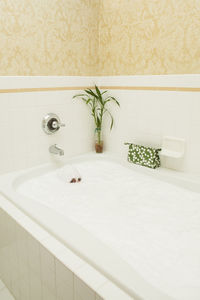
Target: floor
pixel 4 292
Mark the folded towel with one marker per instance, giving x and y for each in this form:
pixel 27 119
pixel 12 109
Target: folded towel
pixel 69 174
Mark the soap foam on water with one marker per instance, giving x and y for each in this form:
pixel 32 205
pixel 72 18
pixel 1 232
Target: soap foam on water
pixel 69 174
pixel 152 225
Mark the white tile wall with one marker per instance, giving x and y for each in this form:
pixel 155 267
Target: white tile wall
pixel 144 116
pixel 23 142
pixel 147 116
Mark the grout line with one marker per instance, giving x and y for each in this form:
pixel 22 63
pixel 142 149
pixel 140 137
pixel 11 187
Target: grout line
pixel 127 88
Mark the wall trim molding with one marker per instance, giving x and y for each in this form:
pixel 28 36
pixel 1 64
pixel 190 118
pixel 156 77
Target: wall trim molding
pixel 75 88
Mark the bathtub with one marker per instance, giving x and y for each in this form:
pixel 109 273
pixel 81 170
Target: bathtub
pixel 139 227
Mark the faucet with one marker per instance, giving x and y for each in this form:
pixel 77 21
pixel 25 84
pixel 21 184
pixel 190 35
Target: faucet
pixel 55 149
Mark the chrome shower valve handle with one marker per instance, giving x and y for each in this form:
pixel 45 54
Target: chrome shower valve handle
pixel 51 123
pixel 55 124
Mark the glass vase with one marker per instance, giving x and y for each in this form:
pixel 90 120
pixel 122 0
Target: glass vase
pixel 98 140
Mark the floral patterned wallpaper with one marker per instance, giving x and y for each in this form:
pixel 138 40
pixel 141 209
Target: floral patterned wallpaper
pixel 149 37
pixel 48 37
pixel 99 37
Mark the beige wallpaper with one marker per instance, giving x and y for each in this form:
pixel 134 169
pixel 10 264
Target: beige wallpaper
pixel 48 37
pixel 149 37
pixel 99 37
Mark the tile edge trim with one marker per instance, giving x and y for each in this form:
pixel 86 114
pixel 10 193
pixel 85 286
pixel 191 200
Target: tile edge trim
pixel 74 88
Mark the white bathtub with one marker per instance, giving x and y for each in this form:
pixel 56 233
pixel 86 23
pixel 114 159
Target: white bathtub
pixel 139 227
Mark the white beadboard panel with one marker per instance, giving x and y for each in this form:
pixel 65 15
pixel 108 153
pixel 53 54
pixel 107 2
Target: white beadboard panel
pixel 24 289
pixel 63 275
pixel 34 255
pixel 48 277
pixel 47 259
pixel 48 293
pixel 35 286
pixel 82 291
pixel 98 297
pixel 64 291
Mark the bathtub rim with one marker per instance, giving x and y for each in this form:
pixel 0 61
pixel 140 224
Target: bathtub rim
pixel 184 180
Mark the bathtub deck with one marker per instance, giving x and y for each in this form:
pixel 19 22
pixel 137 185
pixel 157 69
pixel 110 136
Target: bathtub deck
pixel 152 225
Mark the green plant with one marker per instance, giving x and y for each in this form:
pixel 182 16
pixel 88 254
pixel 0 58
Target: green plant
pixel 97 102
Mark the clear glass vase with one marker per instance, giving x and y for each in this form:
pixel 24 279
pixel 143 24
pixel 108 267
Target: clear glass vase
pixel 98 140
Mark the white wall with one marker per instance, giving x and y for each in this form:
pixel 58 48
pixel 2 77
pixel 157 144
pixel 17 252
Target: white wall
pixel 144 117
pixel 22 141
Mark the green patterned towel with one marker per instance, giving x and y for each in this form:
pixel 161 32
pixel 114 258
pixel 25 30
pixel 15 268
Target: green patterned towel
pixel 144 156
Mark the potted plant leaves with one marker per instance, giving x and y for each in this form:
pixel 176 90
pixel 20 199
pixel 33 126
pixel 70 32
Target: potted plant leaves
pixel 98 101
